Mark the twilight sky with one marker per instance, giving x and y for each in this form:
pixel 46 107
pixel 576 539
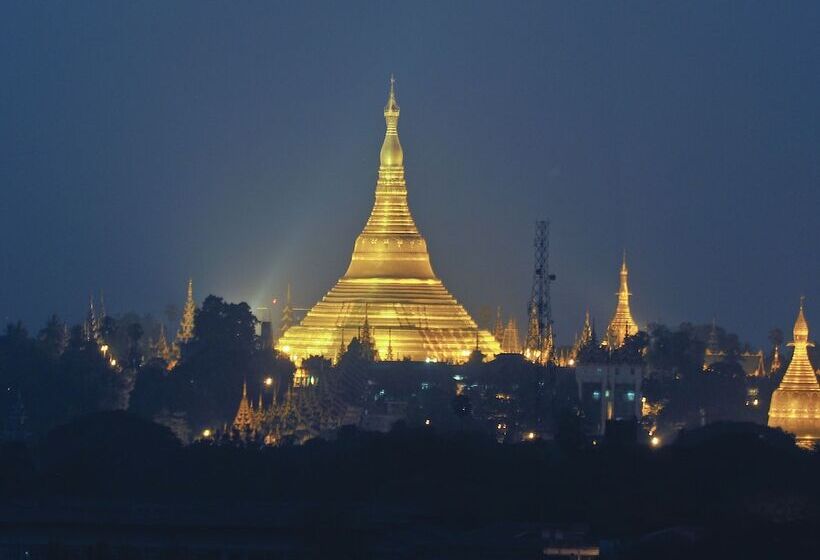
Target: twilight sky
pixel 238 143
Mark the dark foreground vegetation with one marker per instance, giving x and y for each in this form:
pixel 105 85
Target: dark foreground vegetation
pixel 740 486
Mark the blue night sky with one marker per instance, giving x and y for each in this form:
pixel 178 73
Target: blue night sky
pixel 143 142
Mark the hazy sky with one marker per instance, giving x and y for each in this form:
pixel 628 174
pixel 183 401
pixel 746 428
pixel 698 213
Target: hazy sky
pixel 238 143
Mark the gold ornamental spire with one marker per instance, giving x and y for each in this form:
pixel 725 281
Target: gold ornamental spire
pixel 392 154
pixel 795 404
pixel 186 325
pixel 390 244
pixel 622 323
pixel 390 283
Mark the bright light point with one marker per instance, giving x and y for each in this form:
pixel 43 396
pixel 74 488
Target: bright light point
pixel 655 441
pixel 269 381
pixel 755 402
pixel 571 362
pixel 530 435
pixel 113 362
pixel 206 432
pixel 286 349
pixel 427 422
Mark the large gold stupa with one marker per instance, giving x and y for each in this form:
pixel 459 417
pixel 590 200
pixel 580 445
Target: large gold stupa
pixel 622 324
pixel 796 403
pixel 390 284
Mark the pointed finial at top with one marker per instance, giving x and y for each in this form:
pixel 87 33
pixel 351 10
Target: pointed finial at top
pixel 801 326
pixel 623 262
pixel 244 388
pixel 391 155
pixel 392 107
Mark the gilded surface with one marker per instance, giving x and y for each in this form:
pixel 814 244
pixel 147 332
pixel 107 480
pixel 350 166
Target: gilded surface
pixel 795 404
pixel 391 279
pixel 622 324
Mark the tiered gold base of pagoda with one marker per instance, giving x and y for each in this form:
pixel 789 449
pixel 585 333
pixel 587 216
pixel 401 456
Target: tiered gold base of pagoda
pixel 408 317
pixel 795 404
pixel 796 412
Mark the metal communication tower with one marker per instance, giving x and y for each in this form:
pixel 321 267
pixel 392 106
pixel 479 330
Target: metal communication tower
pixel 539 309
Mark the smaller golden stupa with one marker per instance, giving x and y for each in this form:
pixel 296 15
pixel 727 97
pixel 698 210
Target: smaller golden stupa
pixel 796 403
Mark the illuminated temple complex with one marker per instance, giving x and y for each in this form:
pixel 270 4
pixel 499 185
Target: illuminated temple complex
pixel 622 323
pixel 391 283
pixel 796 403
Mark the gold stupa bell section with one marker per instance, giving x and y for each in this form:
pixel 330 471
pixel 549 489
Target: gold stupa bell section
pixel 795 404
pixel 391 282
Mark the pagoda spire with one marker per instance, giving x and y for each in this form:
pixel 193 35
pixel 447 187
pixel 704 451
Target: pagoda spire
pixel 775 365
pixel 795 404
pixel 510 343
pixel 622 324
pixel 162 350
pixel 365 334
pixel 244 419
pixel 391 154
pixel 498 330
pixel 342 349
pixel 586 332
pixel 390 244
pixel 92 326
pixel 186 325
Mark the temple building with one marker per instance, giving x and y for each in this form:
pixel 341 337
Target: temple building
pixel 795 404
pixel 390 275
pixel 510 343
pixel 622 324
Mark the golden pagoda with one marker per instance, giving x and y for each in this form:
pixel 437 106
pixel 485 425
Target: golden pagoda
pixel 245 418
pixel 390 280
pixel 622 324
pixel 796 403
pixel 510 343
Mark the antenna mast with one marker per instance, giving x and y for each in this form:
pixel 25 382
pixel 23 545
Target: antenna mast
pixel 539 346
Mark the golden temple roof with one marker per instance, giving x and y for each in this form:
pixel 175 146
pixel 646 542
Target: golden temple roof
pixel 391 281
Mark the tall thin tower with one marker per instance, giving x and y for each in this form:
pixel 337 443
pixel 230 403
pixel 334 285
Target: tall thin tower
pixel 539 344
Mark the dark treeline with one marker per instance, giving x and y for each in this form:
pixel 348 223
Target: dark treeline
pixel 59 373
pixel 726 477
